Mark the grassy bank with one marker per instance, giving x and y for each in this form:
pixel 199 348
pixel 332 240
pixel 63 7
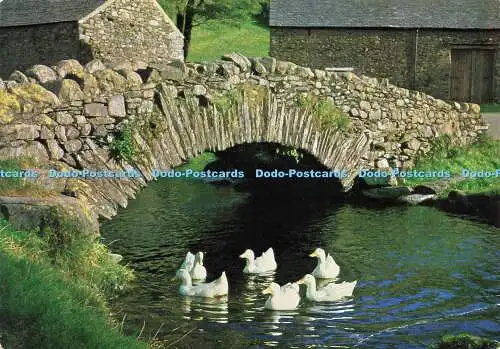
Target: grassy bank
pixel 480 156
pixel 212 40
pixel 53 292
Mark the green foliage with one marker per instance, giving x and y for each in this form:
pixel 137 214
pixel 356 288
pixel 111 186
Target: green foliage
pixel 220 10
pixel 212 40
pixel 465 341
pixel 293 153
pixel 199 162
pixel 482 155
pixel 324 112
pixel 122 147
pixel 54 297
pixel 254 94
pixel 227 100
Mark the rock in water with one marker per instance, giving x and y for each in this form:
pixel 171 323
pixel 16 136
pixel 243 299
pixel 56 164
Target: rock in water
pixel 387 192
pixel 416 199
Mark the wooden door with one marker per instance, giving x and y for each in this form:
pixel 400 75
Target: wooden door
pixel 472 75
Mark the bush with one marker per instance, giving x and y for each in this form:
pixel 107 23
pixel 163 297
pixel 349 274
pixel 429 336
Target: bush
pixel 122 147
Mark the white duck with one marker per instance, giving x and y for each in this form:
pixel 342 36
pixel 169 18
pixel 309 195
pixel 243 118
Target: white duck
pixel 263 264
pixel 285 297
pixel 188 262
pixel 199 272
pixel 326 268
pixel 330 292
pixel 213 289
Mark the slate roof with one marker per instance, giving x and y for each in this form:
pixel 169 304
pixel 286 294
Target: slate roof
pixel 450 14
pixel 29 12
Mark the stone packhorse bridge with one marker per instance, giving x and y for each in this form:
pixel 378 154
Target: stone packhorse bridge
pixel 69 115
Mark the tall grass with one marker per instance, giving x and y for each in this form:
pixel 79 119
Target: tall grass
pixel 52 297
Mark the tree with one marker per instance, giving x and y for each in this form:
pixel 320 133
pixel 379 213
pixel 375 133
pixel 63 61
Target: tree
pixel 192 13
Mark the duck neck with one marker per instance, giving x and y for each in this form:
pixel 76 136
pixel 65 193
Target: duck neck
pixel 321 260
pixel 311 290
pixel 186 281
pixel 250 262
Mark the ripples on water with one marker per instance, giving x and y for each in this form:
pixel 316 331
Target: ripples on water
pixel 420 273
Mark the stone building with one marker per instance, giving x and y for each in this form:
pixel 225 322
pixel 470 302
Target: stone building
pixel 446 48
pixel 44 32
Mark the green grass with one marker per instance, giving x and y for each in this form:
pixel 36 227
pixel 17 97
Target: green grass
pixel 14 186
pixel 212 40
pixel 482 155
pixel 490 108
pixel 52 297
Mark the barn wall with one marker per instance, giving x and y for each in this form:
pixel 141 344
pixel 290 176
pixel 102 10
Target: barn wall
pixel 384 53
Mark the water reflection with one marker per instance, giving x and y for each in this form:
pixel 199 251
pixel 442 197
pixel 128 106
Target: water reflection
pixel 251 295
pixel 209 309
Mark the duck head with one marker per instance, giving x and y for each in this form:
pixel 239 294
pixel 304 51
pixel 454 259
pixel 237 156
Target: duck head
pixel 248 254
pixel 273 289
pixel 199 258
pixel 182 274
pixel 319 253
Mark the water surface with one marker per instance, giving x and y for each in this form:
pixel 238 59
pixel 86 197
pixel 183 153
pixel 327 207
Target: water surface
pixel 420 273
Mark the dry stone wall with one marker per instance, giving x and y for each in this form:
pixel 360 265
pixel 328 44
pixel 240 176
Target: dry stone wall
pixel 386 53
pixel 70 116
pixel 132 30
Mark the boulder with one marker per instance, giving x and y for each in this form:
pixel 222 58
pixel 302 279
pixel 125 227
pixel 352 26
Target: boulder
pixel 94 66
pixel 108 80
pixel 269 63
pixel 64 118
pixel 416 199
pixel 55 151
pixel 67 90
pixel 50 213
pixel 73 145
pixel 257 67
pixel 33 150
pixel 133 79
pixel 241 61
pixel 19 77
pixel 35 93
pixel 87 82
pixel 387 193
pixel 42 73
pixel 175 70
pixel 68 66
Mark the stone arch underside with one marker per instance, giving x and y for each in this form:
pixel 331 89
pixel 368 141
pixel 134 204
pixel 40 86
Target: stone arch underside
pixel 191 129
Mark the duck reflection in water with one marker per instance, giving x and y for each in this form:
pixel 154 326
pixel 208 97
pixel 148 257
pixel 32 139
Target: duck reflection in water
pixel 209 309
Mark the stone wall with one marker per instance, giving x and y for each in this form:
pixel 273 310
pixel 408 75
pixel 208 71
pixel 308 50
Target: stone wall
pixel 132 30
pixel 71 118
pixel 384 53
pixel 22 47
